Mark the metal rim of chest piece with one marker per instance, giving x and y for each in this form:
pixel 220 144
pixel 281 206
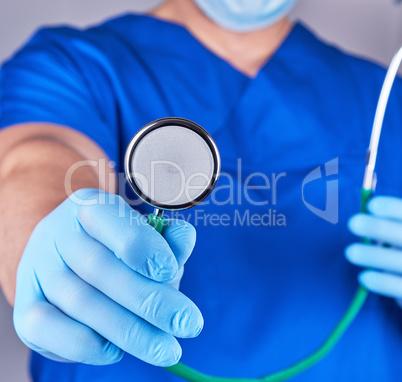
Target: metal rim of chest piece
pixel 160 123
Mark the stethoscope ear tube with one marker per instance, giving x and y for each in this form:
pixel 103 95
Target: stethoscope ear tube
pixel 369 174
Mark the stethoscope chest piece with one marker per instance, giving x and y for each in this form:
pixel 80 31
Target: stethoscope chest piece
pixel 172 164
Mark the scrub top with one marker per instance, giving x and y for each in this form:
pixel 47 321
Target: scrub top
pixel 268 270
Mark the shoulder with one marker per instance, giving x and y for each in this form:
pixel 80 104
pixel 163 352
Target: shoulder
pixel 93 54
pixel 334 68
pixel 330 58
pixel 67 37
pixel 123 34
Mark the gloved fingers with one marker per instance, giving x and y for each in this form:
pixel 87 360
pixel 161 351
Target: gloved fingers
pixel 175 283
pixel 382 283
pixel 90 307
pixel 48 331
pixel 386 206
pixel 45 329
pixel 51 356
pixel 376 228
pixel 375 256
pixel 112 222
pixel 158 303
pixel 181 237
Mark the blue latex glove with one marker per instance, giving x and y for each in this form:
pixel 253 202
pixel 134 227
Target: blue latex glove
pixel 92 285
pixel 382 224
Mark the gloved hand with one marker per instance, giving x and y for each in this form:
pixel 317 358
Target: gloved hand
pixel 91 285
pixel 383 224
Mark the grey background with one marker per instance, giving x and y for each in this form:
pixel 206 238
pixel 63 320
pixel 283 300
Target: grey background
pixel 372 28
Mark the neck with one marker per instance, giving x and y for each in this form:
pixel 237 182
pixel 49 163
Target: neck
pixel 247 52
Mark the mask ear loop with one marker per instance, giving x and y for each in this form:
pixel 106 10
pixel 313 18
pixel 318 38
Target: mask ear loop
pixel 361 294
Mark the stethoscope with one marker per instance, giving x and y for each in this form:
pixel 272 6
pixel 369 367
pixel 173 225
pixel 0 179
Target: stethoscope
pixel 174 164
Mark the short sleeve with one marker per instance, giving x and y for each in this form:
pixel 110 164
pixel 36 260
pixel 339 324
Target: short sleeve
pixel 58 77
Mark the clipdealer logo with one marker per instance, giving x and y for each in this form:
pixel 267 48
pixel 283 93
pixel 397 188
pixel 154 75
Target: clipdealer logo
pixel 331 211
pixel 235 191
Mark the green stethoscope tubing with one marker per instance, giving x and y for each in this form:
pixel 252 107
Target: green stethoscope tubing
pixel 359 298
pixel 190 374
pixel 361 294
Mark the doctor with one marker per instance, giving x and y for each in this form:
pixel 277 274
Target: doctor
pixel 99 293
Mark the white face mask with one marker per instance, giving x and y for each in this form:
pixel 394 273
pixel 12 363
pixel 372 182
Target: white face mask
pixel 245 15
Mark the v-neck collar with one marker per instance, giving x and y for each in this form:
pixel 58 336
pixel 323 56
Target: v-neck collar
pixel 189 36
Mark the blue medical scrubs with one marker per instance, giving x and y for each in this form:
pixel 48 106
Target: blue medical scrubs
pixel 270 277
